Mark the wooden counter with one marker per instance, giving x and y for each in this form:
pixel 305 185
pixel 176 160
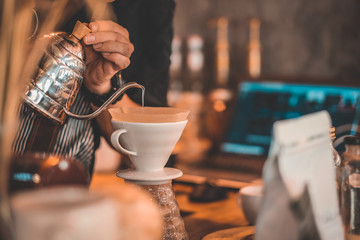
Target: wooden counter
pixel 200 219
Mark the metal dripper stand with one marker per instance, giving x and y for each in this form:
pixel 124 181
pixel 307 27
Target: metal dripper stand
pixel 149 143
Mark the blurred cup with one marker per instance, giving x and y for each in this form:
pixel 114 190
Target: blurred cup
pixel 249 200
pixel 63 212
pixel 38 169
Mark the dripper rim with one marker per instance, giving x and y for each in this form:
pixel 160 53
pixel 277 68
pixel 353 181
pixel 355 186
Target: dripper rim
pixel 175 114
pixel 150 123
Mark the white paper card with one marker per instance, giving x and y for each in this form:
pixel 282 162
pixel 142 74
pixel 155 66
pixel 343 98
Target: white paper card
pixel 305 159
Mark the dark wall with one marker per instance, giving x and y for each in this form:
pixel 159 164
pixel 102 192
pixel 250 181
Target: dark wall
pixel 300 38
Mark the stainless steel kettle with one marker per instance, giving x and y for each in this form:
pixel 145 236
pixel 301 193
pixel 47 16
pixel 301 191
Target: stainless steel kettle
pixel 59 76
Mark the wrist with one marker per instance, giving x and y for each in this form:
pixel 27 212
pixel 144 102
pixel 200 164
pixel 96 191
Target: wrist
pixel 99 89
pixel 99 96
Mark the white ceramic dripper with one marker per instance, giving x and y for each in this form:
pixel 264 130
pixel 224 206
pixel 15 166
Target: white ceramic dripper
pixel 148 136
pixel 151 143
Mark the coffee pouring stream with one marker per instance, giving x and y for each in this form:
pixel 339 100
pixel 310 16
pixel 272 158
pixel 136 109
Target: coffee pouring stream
pixel 59 77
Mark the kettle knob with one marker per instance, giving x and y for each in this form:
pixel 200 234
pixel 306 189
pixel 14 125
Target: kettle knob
pixel 80 30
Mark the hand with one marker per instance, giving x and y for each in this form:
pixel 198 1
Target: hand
pixel 108 51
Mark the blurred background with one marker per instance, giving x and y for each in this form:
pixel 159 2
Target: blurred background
pixel 312 39
pixel 220 43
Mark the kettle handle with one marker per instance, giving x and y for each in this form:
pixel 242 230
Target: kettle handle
pixel 106 103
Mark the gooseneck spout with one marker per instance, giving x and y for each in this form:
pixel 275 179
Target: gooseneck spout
pixel 106 103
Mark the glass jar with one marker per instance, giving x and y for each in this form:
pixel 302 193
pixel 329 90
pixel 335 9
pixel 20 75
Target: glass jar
pixel 350 187
pixel 174 228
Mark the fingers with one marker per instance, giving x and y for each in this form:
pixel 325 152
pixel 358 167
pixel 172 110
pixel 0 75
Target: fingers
pixel 97 37
pixel 112 41
pixel 120 61
pixel 102 31
pixel 114 47
pixel 108 26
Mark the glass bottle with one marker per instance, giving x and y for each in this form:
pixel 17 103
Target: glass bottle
pixel 338 164
pixel 350 187
pixel 174 228
pixel 336 155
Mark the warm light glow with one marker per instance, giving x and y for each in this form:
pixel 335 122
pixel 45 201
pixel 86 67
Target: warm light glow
pixel 51 161
pixel 222 51
pixel 219 106
pixel 254 57
pixel 63 165
pixel 36 178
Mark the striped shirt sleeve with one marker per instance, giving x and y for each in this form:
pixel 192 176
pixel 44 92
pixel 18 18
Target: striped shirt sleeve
pixel 75 138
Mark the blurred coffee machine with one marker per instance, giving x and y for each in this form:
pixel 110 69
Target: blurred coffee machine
pixel 186 91
pixel 254 49
pixel 219 99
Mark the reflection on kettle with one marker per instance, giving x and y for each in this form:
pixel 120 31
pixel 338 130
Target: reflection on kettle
pixel 59 77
